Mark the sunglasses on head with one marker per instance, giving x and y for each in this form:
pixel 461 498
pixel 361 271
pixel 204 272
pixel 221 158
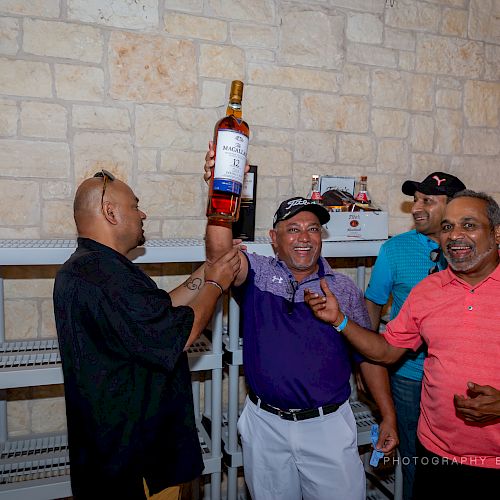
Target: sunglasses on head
pixel 435 256
pixel 106 176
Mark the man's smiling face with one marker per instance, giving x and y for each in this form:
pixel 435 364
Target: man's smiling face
pixel 297 242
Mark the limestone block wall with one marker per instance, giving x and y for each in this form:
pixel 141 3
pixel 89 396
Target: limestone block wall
pixel 389 89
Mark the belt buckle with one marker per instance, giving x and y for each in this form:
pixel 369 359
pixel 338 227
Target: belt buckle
pixel 283 413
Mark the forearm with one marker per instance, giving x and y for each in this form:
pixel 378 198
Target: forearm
pixel 188 290
pixel 203 305
pixel 370 344
pixel 218 239
pixel 376 378
pixel 375 312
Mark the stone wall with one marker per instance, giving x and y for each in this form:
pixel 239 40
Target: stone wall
pixel 389 89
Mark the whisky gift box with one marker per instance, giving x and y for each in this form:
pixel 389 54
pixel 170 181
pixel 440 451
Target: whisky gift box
pixel 352 226
pixel 244 227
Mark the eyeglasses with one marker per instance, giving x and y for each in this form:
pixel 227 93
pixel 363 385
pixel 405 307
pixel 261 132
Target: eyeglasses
pixel 435 256
pixel 105 175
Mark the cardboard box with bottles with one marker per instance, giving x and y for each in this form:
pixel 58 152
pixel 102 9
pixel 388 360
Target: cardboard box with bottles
pixel 348 224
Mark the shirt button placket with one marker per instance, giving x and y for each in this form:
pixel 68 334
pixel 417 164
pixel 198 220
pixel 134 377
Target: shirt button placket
pixel 470 307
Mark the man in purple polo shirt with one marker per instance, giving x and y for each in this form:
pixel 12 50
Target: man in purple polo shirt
pixel 297 429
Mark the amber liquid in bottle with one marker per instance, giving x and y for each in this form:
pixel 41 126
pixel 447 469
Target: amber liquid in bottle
pixel 231 135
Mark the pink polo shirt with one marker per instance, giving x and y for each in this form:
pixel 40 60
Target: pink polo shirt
pixel 461 326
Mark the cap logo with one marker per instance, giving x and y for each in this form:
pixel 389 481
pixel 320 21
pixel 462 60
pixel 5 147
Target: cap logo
pixel 294 203
pixel 438 180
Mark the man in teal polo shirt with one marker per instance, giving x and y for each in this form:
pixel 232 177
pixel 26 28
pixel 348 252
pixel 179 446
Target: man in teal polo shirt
pixel 404 261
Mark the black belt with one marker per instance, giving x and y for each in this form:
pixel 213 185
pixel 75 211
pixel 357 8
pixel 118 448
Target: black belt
pixel 294 414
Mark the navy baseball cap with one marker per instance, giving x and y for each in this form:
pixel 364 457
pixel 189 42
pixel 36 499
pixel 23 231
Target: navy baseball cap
pixel 293 206
pixel 434 184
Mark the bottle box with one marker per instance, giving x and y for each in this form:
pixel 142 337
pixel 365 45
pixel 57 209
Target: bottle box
pixel 244 227
pixel 352 226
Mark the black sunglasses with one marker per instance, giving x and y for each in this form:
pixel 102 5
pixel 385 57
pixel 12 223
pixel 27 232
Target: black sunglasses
pixel 105 175
pixel 435 256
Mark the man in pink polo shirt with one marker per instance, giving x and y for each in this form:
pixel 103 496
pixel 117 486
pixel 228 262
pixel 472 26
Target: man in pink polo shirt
pixel 456 313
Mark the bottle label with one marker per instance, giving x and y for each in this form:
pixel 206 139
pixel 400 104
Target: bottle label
pixel 247 190
pixel 316 196
pixel 231 156
pixel 362 197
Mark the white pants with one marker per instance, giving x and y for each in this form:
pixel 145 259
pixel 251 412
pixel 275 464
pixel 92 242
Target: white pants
pixel 314 459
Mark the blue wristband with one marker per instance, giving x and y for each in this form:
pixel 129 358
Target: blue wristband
pixel 342 325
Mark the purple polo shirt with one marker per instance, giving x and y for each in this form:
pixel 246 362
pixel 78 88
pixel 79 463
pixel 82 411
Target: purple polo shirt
pixel 291 358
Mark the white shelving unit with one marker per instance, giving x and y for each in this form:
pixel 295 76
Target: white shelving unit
pixel 37 468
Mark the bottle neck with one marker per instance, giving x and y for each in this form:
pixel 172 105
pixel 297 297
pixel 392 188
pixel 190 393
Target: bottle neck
pixel 234 108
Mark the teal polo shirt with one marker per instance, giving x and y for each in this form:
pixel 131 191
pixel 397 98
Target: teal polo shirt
pixel 403 261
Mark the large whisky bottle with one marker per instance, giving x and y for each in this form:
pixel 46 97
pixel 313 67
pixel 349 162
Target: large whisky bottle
pixel 231 135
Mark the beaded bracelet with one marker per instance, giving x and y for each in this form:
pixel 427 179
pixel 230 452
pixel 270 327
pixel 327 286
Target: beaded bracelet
pixel 342 325
pixel 214 283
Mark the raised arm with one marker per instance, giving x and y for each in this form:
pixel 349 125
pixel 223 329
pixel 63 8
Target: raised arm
pixel 219 234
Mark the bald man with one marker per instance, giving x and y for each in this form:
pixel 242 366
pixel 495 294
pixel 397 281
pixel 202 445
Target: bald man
pixel 129 406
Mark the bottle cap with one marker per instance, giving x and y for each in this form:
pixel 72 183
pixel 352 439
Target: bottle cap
pixel 236 91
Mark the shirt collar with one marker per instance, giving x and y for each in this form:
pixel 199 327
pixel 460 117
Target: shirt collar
pixel 447 276
pixel 89 244
pixel 426 241
pixel 324 268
